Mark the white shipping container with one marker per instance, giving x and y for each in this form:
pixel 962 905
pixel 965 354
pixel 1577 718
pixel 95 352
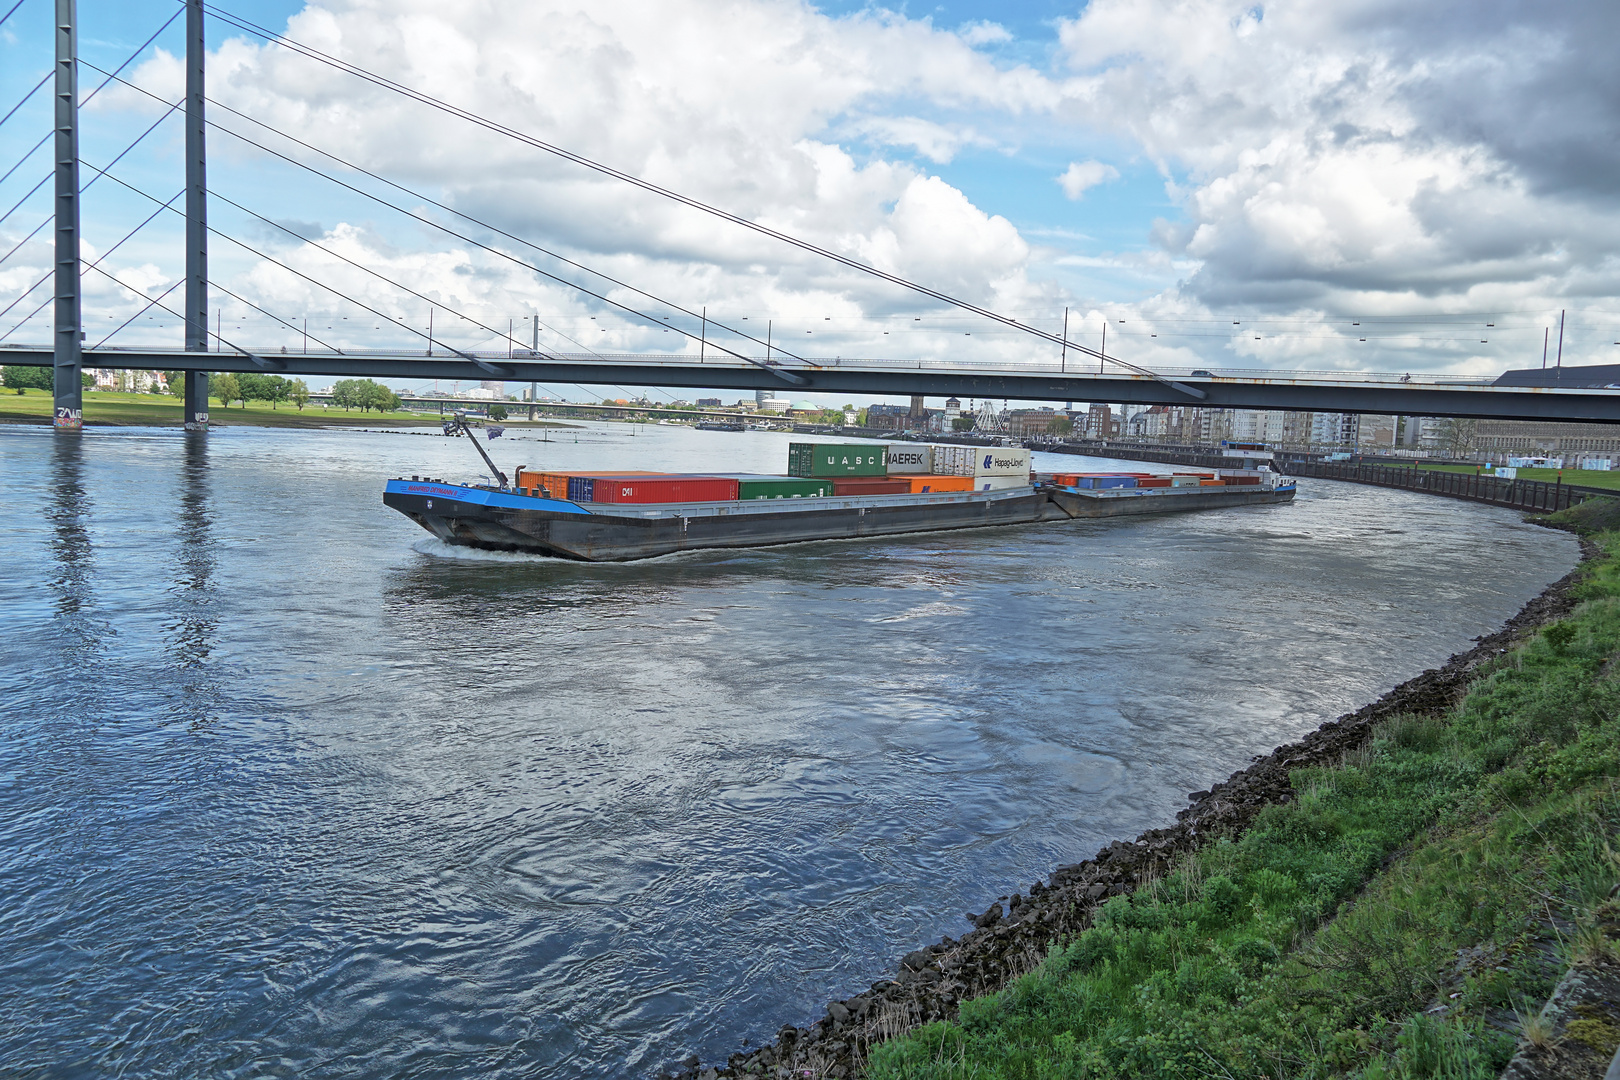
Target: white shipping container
pixel 953 460
pixel 999 483
pixel 980 461
pixel 910 459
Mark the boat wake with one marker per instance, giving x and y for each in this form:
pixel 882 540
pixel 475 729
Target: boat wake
pixel 435 548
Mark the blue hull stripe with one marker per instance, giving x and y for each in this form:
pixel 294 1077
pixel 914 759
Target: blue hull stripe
pixel 479 497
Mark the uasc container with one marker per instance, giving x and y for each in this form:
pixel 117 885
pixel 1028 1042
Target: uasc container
pixel 909 459
pixel 836 459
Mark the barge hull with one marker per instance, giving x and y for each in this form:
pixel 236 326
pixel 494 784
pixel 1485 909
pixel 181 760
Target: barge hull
pixel 1129 502
pixel 500 521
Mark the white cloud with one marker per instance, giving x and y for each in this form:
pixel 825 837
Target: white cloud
pixel 984 32
pixel 1323 156
pixel 1081 176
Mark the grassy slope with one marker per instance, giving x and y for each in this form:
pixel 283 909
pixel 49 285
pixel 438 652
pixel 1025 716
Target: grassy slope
pixel 1577 477
pixel 1424 870
pixel 161 410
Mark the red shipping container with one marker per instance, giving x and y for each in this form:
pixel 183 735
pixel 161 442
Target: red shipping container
pixel 1153 481
pixel 664 489
pixel 870 485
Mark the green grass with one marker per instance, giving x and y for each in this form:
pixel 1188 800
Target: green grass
pixel 1425 870
pixel 1577 477
pixel 142 410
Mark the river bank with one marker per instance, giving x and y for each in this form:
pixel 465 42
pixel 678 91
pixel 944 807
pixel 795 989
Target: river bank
pixel 109 409
pixel 1140 989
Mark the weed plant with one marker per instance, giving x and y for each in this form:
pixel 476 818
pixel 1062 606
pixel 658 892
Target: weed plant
pixel 1389 921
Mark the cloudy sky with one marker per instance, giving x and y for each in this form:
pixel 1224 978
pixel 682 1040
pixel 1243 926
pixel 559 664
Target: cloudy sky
pixel 1370 184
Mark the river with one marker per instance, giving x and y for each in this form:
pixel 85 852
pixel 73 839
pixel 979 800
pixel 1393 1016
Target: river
pixel 288 789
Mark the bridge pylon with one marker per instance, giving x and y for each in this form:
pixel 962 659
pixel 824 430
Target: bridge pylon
pixel 196 219
pixel 67 361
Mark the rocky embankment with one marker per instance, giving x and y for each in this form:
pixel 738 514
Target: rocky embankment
pixel 1006 942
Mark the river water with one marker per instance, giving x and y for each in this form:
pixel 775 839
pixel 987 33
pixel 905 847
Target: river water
pixel 286 789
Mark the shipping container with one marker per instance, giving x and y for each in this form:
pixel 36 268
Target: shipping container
pixel 1184 481
pixel 1107 482
pixel 836 459
pixel 999 483
pixel 662 489
pixel 928 485
pixel 910 459
pixel 781 487
pixel 1153 481
pixel 581 487
pixel 980 461
pixel 1212 483
pixel 871 485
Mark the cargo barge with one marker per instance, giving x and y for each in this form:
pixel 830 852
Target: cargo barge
pixel 617 517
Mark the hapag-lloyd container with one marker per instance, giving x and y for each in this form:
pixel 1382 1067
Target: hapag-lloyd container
pixel 910 459
pixel 999 483
pixel 836 459
pixel 981 461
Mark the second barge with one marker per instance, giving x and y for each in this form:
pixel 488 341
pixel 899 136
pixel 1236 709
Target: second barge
pixel 505 520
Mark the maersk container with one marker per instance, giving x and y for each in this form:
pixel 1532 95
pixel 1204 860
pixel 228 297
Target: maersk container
pixel 836 459
pixel 781 487
pixel 910 459
pixel 1183 480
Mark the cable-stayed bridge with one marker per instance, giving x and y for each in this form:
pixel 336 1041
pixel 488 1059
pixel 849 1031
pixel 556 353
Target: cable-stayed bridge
pixel 720 355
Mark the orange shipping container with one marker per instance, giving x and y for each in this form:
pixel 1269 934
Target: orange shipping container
pixel 1212 483
pixel 933 484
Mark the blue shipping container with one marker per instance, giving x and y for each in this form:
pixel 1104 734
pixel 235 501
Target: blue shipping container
pixel 581 489
pixel 1085 482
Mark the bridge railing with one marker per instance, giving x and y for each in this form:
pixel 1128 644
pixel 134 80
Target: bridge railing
pixel 1080 366
pixel 1529 496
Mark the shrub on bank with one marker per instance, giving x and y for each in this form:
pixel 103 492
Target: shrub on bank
pixel 1385 922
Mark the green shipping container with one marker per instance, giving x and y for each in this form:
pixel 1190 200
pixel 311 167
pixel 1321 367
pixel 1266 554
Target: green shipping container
pixel 783 488
pixel 837 459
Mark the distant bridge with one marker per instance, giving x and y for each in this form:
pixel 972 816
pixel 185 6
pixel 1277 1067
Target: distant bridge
pixel 1303 391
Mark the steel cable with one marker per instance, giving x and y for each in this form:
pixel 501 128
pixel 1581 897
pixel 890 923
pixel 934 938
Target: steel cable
pixel 482 224
pixel 321 284
pixel 43 80
pixel 92 266
pixel 91 96
pixel 647 185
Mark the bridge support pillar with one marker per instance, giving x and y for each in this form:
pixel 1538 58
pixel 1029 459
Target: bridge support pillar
pixel 68 353
pixel 196 220
pixel 196 401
